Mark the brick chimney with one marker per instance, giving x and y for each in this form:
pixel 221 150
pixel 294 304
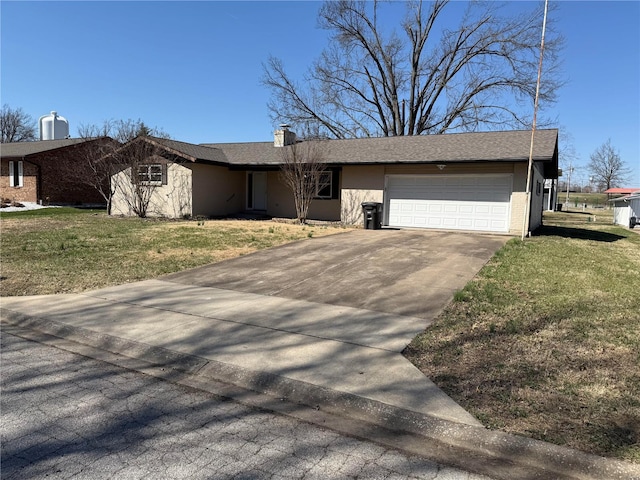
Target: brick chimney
pixel 283 136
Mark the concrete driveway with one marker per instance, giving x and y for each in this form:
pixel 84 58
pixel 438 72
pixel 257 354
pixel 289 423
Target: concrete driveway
pixel 403 272
pixel 331 313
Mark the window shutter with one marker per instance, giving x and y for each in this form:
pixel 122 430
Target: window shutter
pixel 20 177
pixel 164 174
pixel 11 175
pixel 335 184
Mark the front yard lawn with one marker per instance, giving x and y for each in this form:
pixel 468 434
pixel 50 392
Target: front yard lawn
pixel 545 342
pixel 65 250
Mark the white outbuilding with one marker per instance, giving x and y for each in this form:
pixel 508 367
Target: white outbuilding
pixel 626 210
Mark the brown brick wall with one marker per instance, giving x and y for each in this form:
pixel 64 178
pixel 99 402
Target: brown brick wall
pixel 26 193
pixel 55 184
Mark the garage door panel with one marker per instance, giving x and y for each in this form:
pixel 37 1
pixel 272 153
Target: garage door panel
pixel 499 210
pixel 467 223
pixel 451 202
pixel 468 209
pixel 451 208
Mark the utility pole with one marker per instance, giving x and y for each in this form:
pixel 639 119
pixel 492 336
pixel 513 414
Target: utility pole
pixel 569 184
pixel 527 208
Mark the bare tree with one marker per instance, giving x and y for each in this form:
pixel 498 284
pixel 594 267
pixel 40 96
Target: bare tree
pixel 142 169
pixel 16 125
pixel 122 131
pixel 607 168
pixel 304 172
pixel 102 161
pixel 426 79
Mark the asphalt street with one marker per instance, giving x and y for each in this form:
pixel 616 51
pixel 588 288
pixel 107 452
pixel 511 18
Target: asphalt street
pixel 67 416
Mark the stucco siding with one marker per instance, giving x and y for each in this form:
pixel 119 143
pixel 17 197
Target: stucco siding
pixel 518 198
pixel 172 200
pixel 280 202
pixel 537 197
pixel 279 198
pixel 119 203
pixel 217 191
pixel 360 184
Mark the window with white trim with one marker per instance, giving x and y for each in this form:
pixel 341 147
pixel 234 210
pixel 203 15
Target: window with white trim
pixel 16 177
pixel 150 174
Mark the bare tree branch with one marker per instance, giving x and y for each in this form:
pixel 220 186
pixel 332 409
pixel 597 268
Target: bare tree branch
pixel 371 81
pixel 303 168
pixel 142 168
pixel 16 125
pixel 104 159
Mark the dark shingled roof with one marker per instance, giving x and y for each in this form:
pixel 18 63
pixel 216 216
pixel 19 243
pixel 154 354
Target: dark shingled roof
pixel 508 146
pixel 23 149
pixel 192 152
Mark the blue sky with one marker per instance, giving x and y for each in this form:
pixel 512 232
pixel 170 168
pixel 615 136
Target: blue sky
pixel 194 68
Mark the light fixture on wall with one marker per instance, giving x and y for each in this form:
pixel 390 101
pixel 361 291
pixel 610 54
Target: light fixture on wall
pixel 441 166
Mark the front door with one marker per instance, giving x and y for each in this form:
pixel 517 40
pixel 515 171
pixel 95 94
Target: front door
pixel 257 191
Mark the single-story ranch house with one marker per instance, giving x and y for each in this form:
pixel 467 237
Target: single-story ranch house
pixel 39 171
pixel 460 181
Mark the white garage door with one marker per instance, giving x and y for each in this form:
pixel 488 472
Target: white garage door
pixel 452 202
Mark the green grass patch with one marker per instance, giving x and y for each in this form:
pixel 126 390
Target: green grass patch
pixel 63 250
pixel 578 200
pixel 545 341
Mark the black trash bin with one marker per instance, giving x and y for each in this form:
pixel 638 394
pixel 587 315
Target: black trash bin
pixel 633 221
pixel 372 215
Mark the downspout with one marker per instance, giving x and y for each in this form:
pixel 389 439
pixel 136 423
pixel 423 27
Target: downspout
pixel 526 221
pixel 39 192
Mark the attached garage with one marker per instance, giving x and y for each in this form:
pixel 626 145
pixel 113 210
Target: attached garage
pixel 451 202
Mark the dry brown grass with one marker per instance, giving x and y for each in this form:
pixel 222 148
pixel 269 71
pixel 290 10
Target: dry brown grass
pixel 64 250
